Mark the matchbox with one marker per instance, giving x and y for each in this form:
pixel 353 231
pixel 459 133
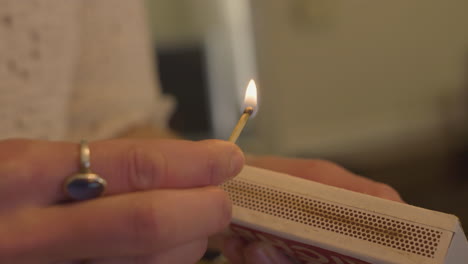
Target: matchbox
pixel 314 223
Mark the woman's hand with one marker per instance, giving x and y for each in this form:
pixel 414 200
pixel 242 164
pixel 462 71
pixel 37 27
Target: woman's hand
pixel 158 206
pixel 239 252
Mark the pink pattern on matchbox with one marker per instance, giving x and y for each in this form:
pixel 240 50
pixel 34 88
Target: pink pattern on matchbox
pixel 303 253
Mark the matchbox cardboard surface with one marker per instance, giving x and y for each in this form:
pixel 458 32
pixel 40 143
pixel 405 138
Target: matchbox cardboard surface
pixel 314 223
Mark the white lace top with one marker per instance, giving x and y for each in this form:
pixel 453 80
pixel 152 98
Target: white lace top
pixel 76 69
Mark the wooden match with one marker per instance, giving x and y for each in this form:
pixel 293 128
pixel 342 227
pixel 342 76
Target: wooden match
pixel 241 124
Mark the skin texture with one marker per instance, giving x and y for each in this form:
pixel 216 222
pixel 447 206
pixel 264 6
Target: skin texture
pixel 154 186
pixel 160 206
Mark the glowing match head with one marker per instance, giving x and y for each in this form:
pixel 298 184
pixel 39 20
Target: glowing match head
pixel 250 100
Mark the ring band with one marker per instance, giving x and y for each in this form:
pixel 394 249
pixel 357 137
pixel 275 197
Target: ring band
pixel 85 156
pixel 85 184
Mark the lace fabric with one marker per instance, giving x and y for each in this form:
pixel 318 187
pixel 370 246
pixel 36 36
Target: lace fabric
pixel 76 69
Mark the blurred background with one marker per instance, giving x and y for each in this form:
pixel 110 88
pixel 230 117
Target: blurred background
pixel 380 87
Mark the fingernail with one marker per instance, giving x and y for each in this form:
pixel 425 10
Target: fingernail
pixel 237 161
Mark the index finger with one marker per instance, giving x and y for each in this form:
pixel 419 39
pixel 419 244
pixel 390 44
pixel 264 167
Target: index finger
pixel 34 171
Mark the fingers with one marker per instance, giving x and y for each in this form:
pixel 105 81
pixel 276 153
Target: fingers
pixel 184 254
pixel 124 225
pixel 328 173
pixel 143 165
pixel 35 170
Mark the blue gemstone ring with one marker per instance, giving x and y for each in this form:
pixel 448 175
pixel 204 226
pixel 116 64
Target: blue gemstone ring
pixel 84 185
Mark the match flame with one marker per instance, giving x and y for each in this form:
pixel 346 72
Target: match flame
pixel 251 96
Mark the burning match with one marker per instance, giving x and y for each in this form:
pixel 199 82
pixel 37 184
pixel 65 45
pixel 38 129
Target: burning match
pixel 250 103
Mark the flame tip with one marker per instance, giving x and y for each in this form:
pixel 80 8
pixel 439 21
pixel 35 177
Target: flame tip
pixel 250 100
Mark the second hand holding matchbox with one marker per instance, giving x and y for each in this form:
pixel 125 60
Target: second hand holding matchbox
pixel 315 223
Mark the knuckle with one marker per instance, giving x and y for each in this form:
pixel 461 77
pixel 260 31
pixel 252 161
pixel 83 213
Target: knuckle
pixel 147 231
pixel 143 168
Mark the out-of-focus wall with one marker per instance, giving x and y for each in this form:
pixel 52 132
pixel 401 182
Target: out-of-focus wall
pixel 363 79
pixel 222 30
pixel 356 79
pixel 181 22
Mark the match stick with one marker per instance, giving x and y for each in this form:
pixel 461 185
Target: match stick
pixel 241 124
